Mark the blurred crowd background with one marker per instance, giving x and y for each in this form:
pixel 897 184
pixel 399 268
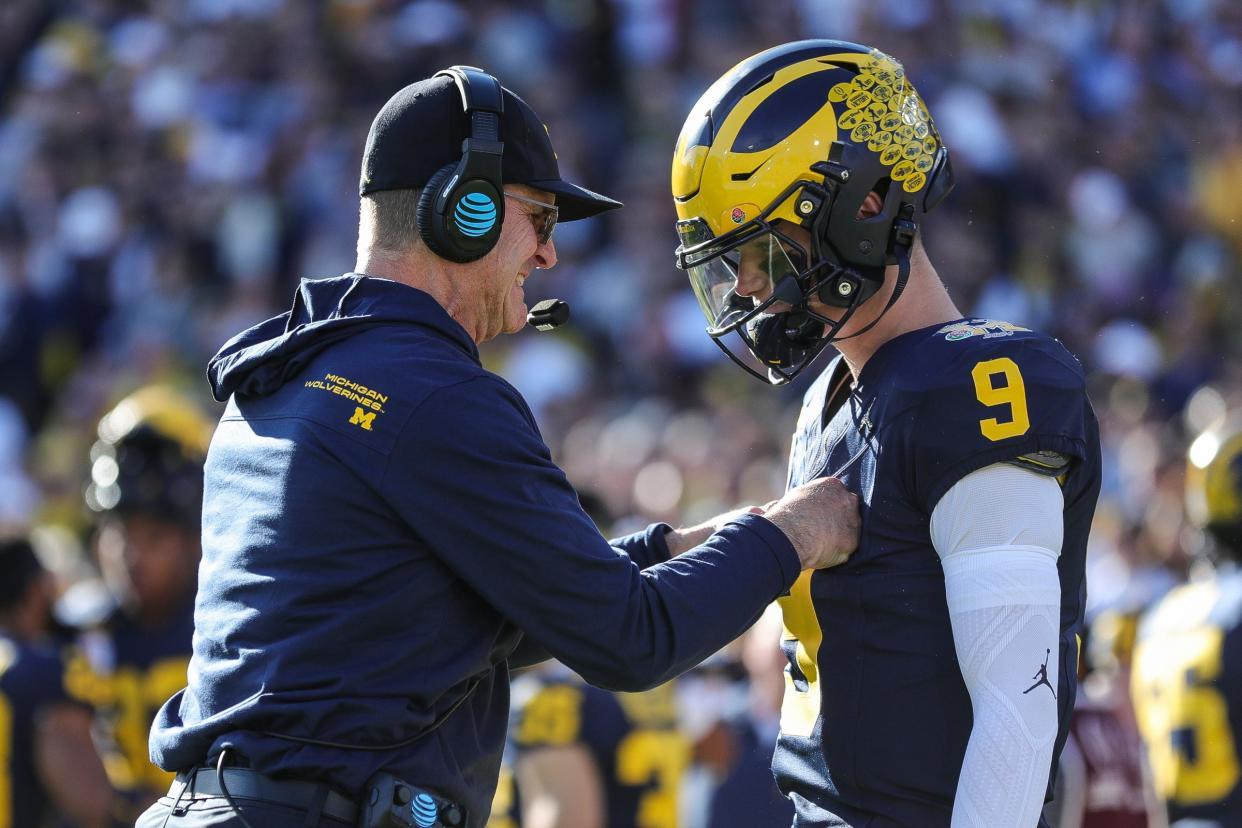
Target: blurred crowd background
pixel 169 169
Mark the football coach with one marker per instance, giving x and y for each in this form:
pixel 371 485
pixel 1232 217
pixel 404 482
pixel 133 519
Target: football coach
pixel 385 535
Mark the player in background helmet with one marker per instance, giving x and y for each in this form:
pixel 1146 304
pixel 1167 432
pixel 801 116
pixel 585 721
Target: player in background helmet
pixel 772 168
pixel 1187 672
pixel 1214 490
pixel 146 488
pixel 48 763
pixel 946 645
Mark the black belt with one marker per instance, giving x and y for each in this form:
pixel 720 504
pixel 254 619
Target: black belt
pixel 243 783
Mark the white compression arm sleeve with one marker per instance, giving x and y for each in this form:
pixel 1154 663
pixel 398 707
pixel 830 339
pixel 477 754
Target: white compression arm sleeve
pixel 998 532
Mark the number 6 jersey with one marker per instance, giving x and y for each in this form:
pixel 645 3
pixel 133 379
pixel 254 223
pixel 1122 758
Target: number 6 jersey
pixel 1187 687
pixel 876 716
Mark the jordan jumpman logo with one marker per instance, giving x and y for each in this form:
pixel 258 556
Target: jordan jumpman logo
pixel 1041 677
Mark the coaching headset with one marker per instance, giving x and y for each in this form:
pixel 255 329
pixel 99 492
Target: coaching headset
pixel 462 206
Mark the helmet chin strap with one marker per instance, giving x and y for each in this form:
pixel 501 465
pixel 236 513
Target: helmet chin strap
pixel 903 276
pixel 904 231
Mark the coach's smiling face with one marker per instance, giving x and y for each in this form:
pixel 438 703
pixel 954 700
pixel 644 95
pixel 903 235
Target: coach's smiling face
pixel 500 299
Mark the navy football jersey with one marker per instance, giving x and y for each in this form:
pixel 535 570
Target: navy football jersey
pixel 30 678
pixel 1187 690
pixel 876 716
pixel 126 671
pixel 633 738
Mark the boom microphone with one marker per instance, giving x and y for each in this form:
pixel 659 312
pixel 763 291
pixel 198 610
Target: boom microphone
pixel 548 314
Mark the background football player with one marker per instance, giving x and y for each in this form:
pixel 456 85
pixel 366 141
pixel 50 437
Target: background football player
pixel 581 757
pixel 47 759
pixel 588 758
pixel 800 179
pixel 146 485
pixel 1187 679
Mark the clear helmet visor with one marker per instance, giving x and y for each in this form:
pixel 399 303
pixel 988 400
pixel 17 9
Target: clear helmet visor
pixel 731 279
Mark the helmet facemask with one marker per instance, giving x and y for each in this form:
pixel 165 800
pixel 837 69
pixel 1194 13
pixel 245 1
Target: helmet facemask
pixel 757 281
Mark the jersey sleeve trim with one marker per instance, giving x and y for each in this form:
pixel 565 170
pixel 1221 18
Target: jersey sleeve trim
pixel 1048 463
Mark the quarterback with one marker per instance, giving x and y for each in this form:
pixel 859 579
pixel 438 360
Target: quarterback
pixel 931 678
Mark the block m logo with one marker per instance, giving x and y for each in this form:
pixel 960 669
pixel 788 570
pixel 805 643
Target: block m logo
pixel 362 418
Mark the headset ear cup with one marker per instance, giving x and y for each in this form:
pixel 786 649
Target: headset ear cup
pixel 470 224
pixel 431 227
pixel 478 214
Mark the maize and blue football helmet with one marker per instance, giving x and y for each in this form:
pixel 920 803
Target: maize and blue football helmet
pixel 799 135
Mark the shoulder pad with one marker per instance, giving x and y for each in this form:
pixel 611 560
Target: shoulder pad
pixel 986 397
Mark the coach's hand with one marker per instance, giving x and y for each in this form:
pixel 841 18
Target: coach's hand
pixel 821 520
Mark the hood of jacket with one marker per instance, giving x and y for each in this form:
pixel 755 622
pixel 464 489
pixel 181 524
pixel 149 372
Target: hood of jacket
pixel 261 359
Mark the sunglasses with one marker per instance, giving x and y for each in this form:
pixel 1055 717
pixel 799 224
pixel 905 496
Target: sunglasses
pixel 544 220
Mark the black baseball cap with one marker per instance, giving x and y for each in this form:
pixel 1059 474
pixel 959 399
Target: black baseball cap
pixel 422 127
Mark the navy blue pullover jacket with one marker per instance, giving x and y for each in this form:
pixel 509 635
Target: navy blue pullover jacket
pixel 382 524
